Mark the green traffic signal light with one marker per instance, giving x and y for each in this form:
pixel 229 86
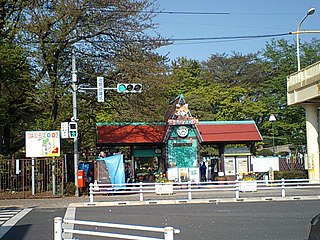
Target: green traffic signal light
pixel 121 87
pixel 129 88
pixel 73 129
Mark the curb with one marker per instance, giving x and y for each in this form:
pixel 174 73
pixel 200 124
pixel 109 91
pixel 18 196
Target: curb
pixel 195 201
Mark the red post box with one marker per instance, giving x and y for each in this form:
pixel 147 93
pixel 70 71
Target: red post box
pixel 81 179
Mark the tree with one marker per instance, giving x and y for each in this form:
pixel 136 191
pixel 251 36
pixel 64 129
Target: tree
pixel 236 80
pixel 106 33
pixel 279 61
pixel 115 39
pixel 18 104
pixel 18 107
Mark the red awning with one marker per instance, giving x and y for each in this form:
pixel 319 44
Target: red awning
pixel 229 132
pixel 210 132
pixel 130 134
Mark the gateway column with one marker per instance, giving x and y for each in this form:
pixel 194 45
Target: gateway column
pixel 312 126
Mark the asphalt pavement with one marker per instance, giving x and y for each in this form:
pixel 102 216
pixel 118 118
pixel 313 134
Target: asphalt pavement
pixel 290 212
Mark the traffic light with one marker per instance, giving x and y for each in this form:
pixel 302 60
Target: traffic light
pixel 129 88
pixel 73 130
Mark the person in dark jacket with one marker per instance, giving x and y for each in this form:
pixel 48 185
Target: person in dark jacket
pixel 203 170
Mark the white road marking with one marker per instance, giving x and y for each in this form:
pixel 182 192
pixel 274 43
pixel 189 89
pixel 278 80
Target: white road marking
pixel 12 221
pixel 69 215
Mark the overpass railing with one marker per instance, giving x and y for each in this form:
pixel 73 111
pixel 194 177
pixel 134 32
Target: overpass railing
pixel 204 190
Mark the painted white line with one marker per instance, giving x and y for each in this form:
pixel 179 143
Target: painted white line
pixel 6 215
pixel 11 222
pixel 69 215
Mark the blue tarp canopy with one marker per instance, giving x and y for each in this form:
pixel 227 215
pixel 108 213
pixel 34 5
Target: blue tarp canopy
pixel 115 168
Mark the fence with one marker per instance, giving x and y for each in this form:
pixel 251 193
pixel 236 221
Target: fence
pixel 206 190
pixel 168 232
pixel 23 178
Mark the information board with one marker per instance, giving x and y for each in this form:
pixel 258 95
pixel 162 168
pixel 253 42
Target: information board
pixel 264 164
pixel 42 144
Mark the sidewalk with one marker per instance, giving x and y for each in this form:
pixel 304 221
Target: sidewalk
pixel 152 198
pixel 57 202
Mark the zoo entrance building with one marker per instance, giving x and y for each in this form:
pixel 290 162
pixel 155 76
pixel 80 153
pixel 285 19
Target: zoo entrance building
pixel 175 146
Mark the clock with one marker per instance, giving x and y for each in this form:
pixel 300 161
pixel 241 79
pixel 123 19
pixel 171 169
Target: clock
pixel 182 131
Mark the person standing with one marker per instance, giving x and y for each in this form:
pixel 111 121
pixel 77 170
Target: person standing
pixel 203 171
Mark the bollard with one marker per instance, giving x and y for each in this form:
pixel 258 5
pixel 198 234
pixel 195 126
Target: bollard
pixel 283 190
pixel 91 192
pixel 168 233
pixel 237 189
pixel 189 191
pixel 141 192
pixel 57 228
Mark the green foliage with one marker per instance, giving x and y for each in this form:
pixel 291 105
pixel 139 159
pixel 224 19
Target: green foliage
pixel 265 152
pixel 70 189
pixel 291 175
pixel 35 81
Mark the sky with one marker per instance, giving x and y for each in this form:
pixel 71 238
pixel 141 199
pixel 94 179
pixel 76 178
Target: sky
pixel 235 18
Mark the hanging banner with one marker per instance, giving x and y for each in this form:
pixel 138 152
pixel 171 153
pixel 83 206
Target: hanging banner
pixel 42 143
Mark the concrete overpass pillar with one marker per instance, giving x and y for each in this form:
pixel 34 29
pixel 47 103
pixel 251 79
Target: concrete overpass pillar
pixel 311 111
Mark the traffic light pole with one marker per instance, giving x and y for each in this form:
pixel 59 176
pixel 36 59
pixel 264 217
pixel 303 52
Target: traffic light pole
pixel 75 117
pixel 121 88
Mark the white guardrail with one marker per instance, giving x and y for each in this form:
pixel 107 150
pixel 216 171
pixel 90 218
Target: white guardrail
pixel 279 187
pixel 168 232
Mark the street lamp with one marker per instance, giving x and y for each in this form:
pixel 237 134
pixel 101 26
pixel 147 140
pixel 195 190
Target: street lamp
pixel 310 12
pixel 272 119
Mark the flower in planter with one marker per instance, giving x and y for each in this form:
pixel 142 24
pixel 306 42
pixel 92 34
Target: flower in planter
pixel 248 177
pixel 162 178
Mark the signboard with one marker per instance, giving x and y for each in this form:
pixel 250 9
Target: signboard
pixel 64 130
pixel 229 166
pixel 42 144
pixel 194 175
pixel 173 174
pixel 242 165
pixel 100 87
pixel 264 164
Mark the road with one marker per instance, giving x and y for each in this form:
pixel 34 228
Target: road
pixel 282 220
pixel 258 220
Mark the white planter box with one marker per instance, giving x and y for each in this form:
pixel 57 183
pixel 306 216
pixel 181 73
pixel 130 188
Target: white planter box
pixel 164 188
pixel 248 186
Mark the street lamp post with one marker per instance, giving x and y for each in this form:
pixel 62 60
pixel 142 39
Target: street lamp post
pixel 310 12
pixel 272 119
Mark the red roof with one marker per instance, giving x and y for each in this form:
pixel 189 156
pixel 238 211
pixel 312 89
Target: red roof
pixel 237 131
pixel 210 132
pixel 130 134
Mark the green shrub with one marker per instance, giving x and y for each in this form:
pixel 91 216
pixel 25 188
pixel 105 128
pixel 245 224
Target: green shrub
pixel 265 152
pixel 70 189
pixel 283 153
pixel 291 175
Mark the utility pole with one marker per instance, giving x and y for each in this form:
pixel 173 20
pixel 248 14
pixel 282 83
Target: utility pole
pixel 75 118
pixel 121 88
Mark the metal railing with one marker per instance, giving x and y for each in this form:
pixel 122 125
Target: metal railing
pixel 203 190
pixel 168 232
pixel 304 77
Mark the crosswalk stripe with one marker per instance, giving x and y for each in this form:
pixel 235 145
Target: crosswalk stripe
pixel 6 226
pixel 6 214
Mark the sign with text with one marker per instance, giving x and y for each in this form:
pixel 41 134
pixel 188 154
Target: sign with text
pixel 64 130
pixel 42 143
pixel 100 88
